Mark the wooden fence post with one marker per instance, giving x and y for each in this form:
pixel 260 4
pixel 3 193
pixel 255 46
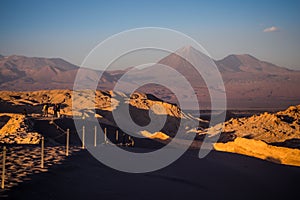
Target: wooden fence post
pixel 42 153
pixel 83 136
pixel 105 136
pixel 3 167
pixel 117 135
pixel 95 137
pixel 67 142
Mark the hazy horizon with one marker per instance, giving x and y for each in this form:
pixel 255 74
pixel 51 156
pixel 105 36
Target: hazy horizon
pixel 129 60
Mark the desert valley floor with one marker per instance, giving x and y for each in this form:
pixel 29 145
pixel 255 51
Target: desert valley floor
pixel 269 167
pixel 219 175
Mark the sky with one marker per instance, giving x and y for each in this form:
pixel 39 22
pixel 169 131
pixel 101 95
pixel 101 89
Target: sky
pixel 268 30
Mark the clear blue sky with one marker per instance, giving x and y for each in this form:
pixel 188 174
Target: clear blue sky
pixel 70 29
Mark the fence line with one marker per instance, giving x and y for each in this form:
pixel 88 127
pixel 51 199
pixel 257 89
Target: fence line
pixel 42 153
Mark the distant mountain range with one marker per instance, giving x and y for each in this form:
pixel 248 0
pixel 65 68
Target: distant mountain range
pixel 249 82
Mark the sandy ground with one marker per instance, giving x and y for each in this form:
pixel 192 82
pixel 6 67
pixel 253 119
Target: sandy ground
pixel 220 175
pixel 262 150
pixel 24 160
pixel 217 176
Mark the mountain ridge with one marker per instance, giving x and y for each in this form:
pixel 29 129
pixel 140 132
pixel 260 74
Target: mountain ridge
pixel 240 60
pixel 249 82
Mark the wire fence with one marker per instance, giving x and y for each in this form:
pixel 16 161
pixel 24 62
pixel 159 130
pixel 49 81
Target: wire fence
pixel 20 161
pixel 15 164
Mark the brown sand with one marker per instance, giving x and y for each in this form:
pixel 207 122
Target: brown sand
pixel 22 161
pixel 217 176
pixel 220 175
pixel 260 149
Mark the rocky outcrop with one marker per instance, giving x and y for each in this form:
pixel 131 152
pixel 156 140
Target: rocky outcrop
pixel 142 107
pixel 264 136
pixel 103 100
pixel 159 107
pixel 278 127
pixel 17 130
pixel 156 135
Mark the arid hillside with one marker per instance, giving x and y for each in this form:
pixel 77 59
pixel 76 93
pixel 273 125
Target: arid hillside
pixel 282 127
pixel 249 82
pixel 270 136
pixel 95 105
pixel 274 137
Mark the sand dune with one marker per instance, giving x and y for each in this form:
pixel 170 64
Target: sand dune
pixel 260 149
pixel 218 176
